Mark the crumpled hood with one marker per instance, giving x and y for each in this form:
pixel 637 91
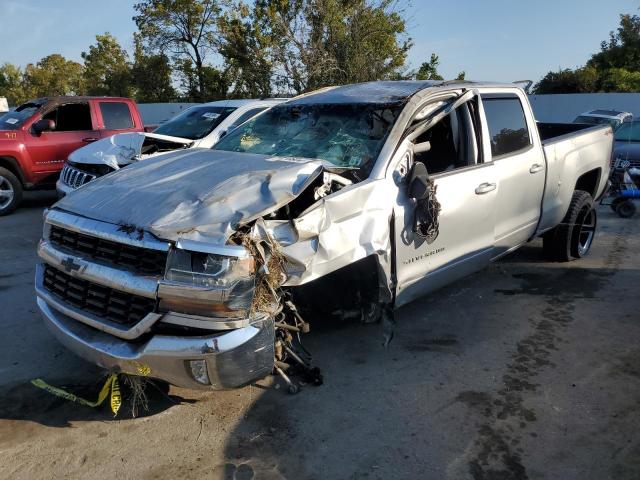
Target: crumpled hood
pixel 199 194
pixel 118 150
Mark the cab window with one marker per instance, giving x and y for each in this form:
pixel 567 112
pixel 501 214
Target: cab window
pixel 453 143
pixel 507 125
pixel 116 115
pixel 70 117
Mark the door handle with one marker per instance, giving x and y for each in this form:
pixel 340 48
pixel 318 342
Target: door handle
pixel 536 167
pixel 89 139
pixel 485 188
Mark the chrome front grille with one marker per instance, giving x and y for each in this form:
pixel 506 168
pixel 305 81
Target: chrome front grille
pixel 113 305
pixel 141 260
pixel 73 177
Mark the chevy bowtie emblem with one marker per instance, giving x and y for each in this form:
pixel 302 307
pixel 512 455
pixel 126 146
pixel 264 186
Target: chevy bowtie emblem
pixel 69 265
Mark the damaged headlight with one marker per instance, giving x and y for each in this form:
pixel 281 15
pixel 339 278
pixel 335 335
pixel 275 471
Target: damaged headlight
pixel 206 270
pixel 208 281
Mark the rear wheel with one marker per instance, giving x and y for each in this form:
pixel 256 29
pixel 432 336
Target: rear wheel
pixel 10 192
pixel 574 236
pixel 626 209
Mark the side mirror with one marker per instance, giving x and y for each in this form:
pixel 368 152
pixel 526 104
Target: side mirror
pixel 418 186
pixel 43 125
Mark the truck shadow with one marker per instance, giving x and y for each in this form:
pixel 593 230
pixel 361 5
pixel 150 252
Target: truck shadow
pixel 449 394
pixel 28 402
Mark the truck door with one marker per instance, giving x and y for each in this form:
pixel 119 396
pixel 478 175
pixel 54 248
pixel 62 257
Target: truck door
pixel 465 188
pixel 74 128
pixel 520 168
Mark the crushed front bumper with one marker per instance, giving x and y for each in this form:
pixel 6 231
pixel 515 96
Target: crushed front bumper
pixel 233 358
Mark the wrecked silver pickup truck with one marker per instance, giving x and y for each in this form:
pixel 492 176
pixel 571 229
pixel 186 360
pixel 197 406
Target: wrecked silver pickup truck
pixel 361 198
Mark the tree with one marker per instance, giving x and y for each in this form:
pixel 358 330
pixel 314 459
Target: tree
pixel 616 68
pixel 106 68
pixel 429 70
pixel 245 49
pixel 186 29
pixel 623 48
pixel 315 43
pixel 582 80
pixel 54 75
pixel 151 75
pixel 620 80
pixel 11 84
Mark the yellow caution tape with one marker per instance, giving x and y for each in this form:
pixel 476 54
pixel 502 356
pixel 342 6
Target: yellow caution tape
pixel 111 385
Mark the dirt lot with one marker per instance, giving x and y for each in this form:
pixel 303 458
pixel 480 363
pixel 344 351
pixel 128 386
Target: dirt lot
pixel 526 370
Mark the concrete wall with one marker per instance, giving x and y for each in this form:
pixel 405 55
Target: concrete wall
pixel 565 107
pixel 156 113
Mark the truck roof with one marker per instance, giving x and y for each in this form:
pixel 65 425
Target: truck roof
pixel 383 92
pixel 73 99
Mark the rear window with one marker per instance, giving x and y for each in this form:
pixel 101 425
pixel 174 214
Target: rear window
pixel 116 115
pixel 507 125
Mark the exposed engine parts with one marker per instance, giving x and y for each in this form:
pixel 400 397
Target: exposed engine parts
pixel 291 358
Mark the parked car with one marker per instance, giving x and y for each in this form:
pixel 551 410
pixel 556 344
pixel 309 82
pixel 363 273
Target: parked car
pixel 199 126
pixel 614 118
pixel 196 267
pixel 38 136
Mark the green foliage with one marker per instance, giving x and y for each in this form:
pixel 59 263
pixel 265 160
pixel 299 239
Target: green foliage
pixel 151 76
pixel 106 68
pixel 616 68
pixel 187 30
pixel 316 43
pixel 582 80
pixel 53 75
pixel 620 80
pixel 429 70
pixel 246 54
pixel 12 84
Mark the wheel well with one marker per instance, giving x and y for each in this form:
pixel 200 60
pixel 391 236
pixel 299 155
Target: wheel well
pixel 352 287
pixel 12 165
pixel 589 181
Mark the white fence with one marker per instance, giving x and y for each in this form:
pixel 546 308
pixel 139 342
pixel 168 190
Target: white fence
pixel 547 108
pixel 564 108
pixel 156 113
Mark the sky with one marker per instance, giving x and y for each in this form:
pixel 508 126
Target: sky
pixel 500 40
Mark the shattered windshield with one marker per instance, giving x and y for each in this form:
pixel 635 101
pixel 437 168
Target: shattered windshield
pixel 347 135
pixel 195 123
pixel 14 119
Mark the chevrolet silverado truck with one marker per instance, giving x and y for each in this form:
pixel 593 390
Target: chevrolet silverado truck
pixel 200 126
pixel 38 136
pixel 199 267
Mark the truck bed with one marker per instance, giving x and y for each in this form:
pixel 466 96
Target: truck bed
pixel 550 132
pixel 572 150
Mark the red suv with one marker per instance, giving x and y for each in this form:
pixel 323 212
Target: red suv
pixel 37 137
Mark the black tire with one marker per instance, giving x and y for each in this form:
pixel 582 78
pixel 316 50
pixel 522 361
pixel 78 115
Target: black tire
pixel 626 209
pixel 574 236
pixel 10 192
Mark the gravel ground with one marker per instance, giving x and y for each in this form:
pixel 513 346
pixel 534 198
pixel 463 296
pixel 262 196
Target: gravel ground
pixel 526 370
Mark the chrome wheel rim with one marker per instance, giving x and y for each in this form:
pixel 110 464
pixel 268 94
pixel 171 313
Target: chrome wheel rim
pixel 6 192
pixel 587 231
